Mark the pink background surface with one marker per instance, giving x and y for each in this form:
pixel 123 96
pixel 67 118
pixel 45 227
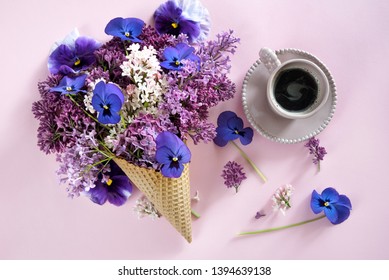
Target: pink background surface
pixel 38 221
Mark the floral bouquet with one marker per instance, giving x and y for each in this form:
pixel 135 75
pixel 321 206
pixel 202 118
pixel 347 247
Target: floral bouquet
pixel 121 112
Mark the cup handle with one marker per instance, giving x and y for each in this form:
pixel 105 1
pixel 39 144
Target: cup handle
pixel 269 59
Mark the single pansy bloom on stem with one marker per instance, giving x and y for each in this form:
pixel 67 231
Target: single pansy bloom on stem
pixel 336 207
pixel 175 56
pixel 189 17
pixel 70 85
pixel 73 55
pixel 107 100
pixel 229 128
pixel 172 154
pixel 116 187
pixel 127 29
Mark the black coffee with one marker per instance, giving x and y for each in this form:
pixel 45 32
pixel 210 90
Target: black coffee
pixel 295 89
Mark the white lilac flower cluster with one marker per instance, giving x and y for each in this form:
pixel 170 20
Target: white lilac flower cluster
pixel 144 70
pixel 281 198
pixel 144 207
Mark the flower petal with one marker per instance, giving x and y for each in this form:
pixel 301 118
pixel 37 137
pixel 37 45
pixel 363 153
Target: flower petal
pixel 79 82
pixel 120 190
pixel 170 66
pixel 246 135
pixel 114 89
pixel 100 90
pixel 331 213
pixel 98 194
pixel 62 55
pixel 330 195
pixel 135 25
pixel 344 201
pixel 115 27
pixel 223 118
pixel 196 12
pixel 184 51
pixel 190 28
pixel 172 171
pixel 169 140
pixel 84 50
pixel 112 118
pixel 235 124
pixel 226 133
pixel 220 141
pixel 166 14
pixel 316 203
pixel 163 155
pixel 115 103
pixel 184 154
pixel 170 53
pixel 96 103
pixel 343 213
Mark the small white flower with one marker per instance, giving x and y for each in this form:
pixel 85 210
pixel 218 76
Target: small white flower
pixel 281 198
pixel 144 207
pixel 196 197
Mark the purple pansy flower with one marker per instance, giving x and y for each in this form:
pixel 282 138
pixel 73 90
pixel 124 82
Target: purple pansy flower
pixel 73 56
pixel 107 100
pixel 172 153
pixel 336 207
pixel 183 16
pixel 125 28
pixel 230 127
pixel 116 187
pixel 69 85
pixel 175 55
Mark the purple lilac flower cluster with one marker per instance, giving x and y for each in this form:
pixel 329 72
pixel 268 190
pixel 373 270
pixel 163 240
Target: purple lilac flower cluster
pixel 109 100
pixel 233 175
pixel 316 150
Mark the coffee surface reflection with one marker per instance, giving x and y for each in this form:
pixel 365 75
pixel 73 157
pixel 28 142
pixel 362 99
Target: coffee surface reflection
pixel 295 90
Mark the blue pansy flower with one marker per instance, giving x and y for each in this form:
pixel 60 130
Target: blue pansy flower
pixel 229 128
pixel 175 56
pixel 107 100
pixel 116 188
pixel 172 154
pixel 127 29
pixel 73 56
pixel 189 17
pixel 70 85
pixel 336 207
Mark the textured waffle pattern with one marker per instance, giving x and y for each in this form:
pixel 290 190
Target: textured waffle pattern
pixel 170 196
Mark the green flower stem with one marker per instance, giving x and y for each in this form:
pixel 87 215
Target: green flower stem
pixel 194 213
pixel 245 156
pixel 280 228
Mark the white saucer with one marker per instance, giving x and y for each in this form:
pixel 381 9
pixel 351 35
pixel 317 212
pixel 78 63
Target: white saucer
pixel 273 126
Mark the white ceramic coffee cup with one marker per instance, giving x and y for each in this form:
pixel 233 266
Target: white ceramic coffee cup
pixel 275 68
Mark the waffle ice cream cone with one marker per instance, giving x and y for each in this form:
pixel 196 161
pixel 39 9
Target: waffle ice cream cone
pixel 170 196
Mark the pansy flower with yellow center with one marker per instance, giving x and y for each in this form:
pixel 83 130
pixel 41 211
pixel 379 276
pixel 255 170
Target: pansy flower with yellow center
pixel 70 85
pixel 188 17
pixel 127 29
pixel 107 100
pixel 336 207
pixel 73 56
pixel 116 189
pixel 175 56
pixel 172 154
